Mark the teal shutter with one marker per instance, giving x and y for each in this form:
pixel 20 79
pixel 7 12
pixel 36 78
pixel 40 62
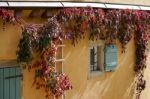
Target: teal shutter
pixel 10 83
pixel 110 57
pixel 6 84
pixel 1 84
pixel 18 83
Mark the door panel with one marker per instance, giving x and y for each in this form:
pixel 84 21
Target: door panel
pixel 18 84
pixel 1 84
pixel 10 83
pixel 6 83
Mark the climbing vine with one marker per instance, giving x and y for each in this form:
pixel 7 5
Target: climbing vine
pixel 7 16
pixel 50 36
pixel 43 40
pixel 73 24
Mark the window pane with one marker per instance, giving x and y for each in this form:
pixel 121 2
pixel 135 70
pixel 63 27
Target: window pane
pixel 59 66
pixel 59 53
pixel 92 56
pixel 93 59
pixel 99 56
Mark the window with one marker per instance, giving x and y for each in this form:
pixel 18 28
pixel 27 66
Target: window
pixel 96 57
pixel 94 63
pixel 59 63
pixel 101 58
pixel 93 60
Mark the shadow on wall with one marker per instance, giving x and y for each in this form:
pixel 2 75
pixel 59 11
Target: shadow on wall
pixel 109 85
pixel 110 88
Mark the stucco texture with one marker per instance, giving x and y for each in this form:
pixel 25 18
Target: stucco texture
pixel 109 85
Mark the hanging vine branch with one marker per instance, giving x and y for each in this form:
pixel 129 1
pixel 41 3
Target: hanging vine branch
pixel 7 16
pixel 50 36
pixel 24 53
pixel 142 21
pixel 43 39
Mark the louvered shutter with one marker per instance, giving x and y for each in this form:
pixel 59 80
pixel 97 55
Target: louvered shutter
pixel 110 57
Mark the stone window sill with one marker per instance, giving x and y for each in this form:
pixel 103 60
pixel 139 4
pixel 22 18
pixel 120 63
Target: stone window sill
pixel 93 74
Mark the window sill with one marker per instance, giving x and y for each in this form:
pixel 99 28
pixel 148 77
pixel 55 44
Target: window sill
pixel 94 74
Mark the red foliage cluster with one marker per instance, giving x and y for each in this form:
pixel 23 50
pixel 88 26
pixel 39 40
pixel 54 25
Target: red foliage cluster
pixel 46 75
pixel 140 85
pixel 62 84
pixel 141 48
pixel 102 24
pixel 7 16
pixel 141 56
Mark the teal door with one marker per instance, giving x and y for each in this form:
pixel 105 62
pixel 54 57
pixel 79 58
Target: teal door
pixel 10 83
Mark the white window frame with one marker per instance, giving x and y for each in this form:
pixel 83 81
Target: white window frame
pixel 62 64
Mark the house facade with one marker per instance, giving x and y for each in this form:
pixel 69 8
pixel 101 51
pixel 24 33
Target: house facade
pixel 76 65
pixel 90 80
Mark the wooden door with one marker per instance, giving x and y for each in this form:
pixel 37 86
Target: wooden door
pixel 10 83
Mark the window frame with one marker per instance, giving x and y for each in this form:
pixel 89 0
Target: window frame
pixel 58 60
pixel 95 58
pixel 96 44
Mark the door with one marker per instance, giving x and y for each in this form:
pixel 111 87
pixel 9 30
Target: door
pixel 10 83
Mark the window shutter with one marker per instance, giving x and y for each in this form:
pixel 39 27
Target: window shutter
pixel 1 84
pixel 110 57
pixel 10 83
pixel 6 84
pixel 18 83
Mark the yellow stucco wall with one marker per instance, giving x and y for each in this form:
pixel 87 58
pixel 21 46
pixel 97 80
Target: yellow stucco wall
pixel 108 85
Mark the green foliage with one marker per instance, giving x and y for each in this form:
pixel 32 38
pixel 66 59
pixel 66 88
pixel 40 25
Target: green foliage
pixel 24 53
pixel 44 41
